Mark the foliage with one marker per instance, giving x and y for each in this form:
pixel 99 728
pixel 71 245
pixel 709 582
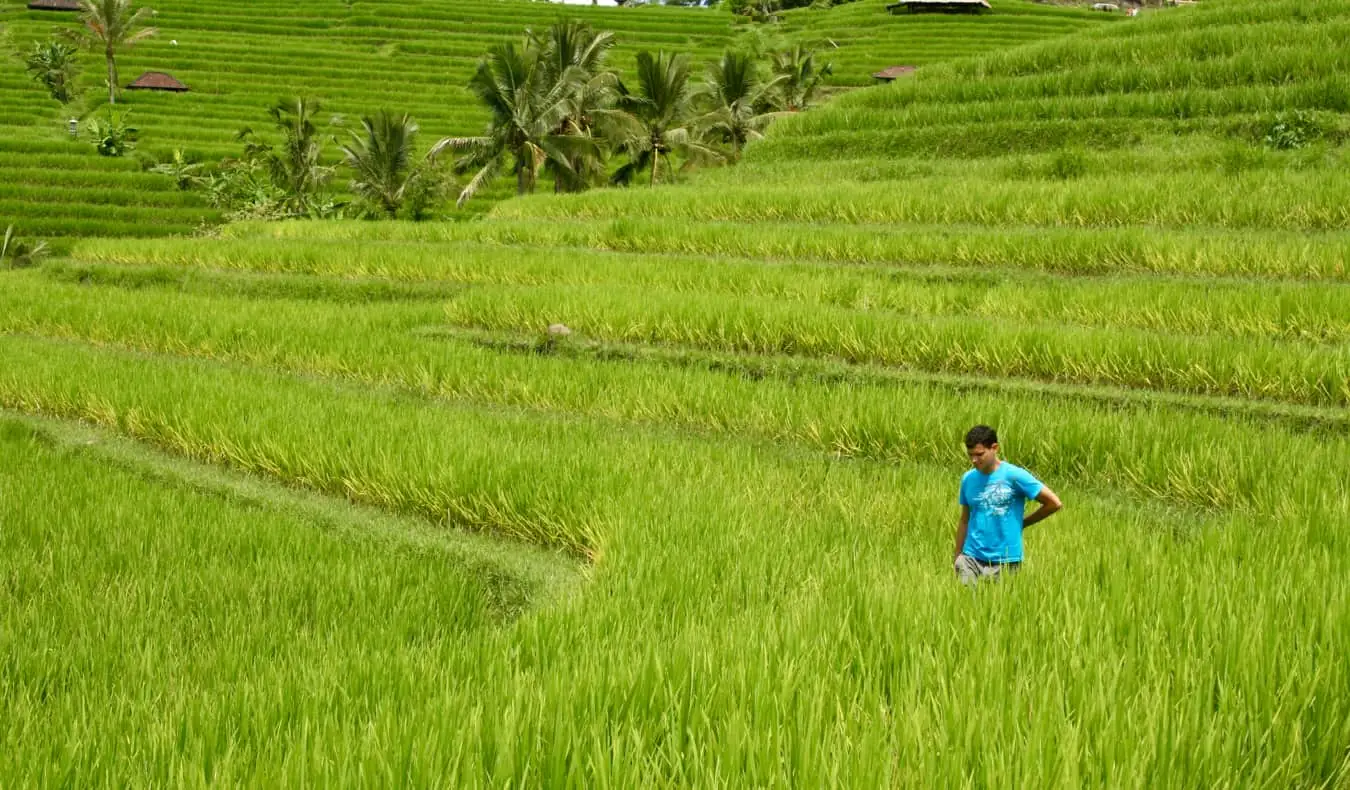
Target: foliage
pixel 244 187
pixel 765 9
pixel 1068 164
pixel 663 114
pixel 535 104
pixel 737 100
pixel 186 171
pixel 1291 130
pixel 111 26
pixel 296 167
pixel 388 175
pixel 53 64
pixel 111 134
pixel 15 253
pixel 799 78
pixel 573 55
pixel 207 47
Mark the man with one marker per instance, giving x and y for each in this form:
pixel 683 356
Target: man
pixel 993 503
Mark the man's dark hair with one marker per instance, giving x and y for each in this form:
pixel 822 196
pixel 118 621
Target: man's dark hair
pixel 981 434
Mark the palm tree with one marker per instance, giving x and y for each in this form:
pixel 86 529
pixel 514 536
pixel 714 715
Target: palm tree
pixel 113 25
pixel 382 156
pixel 662 116
pixel 738 99
pixel 297 169
pixel 796 68
pixel 574 54
pixel 528 107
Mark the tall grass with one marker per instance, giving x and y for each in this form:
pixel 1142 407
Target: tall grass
pixel 1317 312
pixel 772 650
pixel 1161 450
pixel 1061 250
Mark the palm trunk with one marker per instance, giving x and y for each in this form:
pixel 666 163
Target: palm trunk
pixel 112 77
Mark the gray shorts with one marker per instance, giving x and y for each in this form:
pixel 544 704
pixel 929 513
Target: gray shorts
pixel 970 570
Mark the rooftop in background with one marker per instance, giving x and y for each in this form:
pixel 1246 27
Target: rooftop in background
pixel 55 5
pixel 157 81
pixel 941 6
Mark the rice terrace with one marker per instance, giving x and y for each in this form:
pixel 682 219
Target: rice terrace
pixel 497 393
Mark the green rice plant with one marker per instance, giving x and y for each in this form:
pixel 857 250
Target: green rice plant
pixel 479 501
pixel 749 441
pixel 990 347
pixel 1310 201
pixel 739 613
pixel 1295 311
pixel 1171 449
pixel 1063 250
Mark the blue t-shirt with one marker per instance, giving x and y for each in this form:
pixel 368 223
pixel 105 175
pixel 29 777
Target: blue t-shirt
pixel 997 502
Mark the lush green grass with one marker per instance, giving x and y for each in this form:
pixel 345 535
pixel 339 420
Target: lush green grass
pixel 324 503
pixel 765 634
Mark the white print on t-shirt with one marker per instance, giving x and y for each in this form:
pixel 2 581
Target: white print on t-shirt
pixel 996 498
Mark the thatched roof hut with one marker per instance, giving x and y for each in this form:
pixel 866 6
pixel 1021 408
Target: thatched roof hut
pixel 940 6
pixel 54 5
pixel 157 81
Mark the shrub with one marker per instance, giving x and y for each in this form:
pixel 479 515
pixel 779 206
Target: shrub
pixel 185 169
pixel 111 135
pixel 1068 165
pixel 1290 130
pixel 17 254
pixel 52 63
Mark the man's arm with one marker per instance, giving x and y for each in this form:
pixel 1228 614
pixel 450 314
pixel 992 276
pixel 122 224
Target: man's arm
pixel 961 527
pixel 1050 505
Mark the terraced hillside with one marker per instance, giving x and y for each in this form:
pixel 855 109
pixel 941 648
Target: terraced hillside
pixel 862 37
pixel 356 58
pixel 705 538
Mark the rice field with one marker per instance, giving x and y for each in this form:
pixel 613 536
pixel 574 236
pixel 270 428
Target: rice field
pixel 239 61
pixel 327 502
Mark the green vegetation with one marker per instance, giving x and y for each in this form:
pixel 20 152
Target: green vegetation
pixel 239 62
pixel 655 486
pixel 111 26
pixel 52 64
pixel 16 253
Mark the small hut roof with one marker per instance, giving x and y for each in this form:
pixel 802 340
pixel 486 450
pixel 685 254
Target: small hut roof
pixel 157 81
pixel 922 3
pixel 55 5
pixel 891 72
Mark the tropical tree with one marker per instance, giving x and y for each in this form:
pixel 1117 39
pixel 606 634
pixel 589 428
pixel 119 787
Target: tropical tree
pixel 389 175
pixel 52 63
pixel 662 117
pixel 529 108
pixel 573 55
pixel 112 25
pixel 297 167
pixel 799 77
pixel 738 100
